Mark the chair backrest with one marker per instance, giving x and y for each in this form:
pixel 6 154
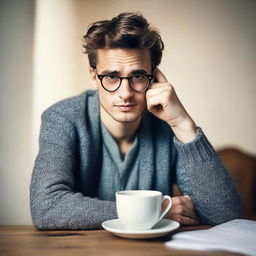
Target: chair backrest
pixel 242 167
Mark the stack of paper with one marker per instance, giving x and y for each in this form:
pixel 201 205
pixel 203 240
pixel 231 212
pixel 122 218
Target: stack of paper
pixel 234 236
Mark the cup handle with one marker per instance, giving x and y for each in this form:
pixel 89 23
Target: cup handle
pixel 168 207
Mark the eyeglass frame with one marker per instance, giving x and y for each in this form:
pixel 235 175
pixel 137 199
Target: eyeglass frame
pixel 150 79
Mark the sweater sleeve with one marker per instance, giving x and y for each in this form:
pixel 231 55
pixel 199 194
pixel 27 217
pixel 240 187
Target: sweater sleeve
pixel 53 200
pixel 202 176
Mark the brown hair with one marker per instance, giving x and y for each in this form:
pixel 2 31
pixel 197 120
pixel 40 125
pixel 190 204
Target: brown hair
pixel 127 30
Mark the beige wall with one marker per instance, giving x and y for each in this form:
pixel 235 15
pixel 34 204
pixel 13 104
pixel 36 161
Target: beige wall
pixel 210 58
pixel 16 89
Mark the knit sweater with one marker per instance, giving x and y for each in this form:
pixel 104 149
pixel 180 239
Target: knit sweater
pixel 66 187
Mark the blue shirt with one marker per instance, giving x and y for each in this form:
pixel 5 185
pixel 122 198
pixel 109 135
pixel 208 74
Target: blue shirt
pixel 121 173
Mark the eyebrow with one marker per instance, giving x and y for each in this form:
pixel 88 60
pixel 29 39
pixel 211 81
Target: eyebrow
pixel 137 71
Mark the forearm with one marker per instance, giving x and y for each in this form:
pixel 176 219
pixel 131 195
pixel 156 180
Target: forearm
pixel 55 206
pixel 71 211
pixel 204 178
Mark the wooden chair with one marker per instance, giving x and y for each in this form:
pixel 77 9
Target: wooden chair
pixel 242 167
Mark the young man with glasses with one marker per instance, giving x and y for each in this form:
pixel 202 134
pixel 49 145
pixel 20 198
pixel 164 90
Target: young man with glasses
pixel 131 132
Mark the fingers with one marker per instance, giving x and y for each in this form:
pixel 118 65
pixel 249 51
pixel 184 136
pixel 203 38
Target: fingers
pixel 185 220
pixel 159 94
pixel 159 76
pixel 154 99
pixel 183 211
pixel 158 88
pixel 188 197
pixel 183 206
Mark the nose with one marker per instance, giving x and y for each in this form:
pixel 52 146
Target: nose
pixel 125 91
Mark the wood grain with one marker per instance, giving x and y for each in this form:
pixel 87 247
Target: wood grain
pixel 27 241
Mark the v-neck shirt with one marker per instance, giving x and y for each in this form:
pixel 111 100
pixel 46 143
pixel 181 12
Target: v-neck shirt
pixel 117 172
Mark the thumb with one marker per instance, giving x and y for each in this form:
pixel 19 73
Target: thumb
pixel 188 197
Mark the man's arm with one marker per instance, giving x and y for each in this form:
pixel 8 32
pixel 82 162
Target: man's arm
pixel 200 172
pixel 54 203
pixel 202 176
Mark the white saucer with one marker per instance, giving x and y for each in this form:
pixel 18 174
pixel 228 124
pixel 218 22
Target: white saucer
pixel 163 227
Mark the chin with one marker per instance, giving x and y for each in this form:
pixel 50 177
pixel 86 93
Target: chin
pixel 126 118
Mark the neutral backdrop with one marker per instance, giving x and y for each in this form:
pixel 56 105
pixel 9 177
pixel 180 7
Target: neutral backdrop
pixel 210 58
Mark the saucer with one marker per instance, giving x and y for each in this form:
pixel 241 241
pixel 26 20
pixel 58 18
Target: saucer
pixel 163 227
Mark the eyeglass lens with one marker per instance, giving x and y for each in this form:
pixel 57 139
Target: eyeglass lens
pixel 137 82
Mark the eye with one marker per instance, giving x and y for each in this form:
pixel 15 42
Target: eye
pixel 137 77
pixel 111 77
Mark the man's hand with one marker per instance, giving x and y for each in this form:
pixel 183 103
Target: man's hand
pixel 182 210
pixel 163 102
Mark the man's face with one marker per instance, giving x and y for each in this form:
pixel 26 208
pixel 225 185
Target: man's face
pixel 123 105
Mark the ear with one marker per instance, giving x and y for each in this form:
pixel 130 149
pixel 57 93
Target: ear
pixel 93 78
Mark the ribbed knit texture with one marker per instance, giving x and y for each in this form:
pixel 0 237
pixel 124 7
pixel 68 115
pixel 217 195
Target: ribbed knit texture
pixel 66 187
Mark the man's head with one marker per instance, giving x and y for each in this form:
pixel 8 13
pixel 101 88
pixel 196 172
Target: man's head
pixel 123 47
pixel 126 31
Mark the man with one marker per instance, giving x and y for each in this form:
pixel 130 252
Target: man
pixel 131 132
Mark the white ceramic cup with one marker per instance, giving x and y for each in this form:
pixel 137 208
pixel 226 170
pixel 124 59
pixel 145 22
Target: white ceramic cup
pixel 140 209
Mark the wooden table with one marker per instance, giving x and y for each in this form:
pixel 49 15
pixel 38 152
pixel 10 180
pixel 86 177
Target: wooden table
pixel 27 241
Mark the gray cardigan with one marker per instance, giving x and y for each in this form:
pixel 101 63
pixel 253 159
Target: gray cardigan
pixel 65 180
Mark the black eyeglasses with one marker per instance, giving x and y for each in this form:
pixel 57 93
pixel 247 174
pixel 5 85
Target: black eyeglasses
pixel 137 82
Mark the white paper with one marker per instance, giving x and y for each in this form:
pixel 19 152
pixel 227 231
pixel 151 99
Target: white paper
pixel 234 236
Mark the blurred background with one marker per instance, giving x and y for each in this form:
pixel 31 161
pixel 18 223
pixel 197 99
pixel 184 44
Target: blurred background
pixel 210 58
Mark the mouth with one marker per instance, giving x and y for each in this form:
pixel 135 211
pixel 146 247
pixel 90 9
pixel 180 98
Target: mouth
pixel 126 107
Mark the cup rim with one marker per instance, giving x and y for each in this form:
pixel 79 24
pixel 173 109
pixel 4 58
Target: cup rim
pixel 140 193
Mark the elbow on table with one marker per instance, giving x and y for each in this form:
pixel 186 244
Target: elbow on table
pixel 47 218
pixel 54 220
pixel 41 220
